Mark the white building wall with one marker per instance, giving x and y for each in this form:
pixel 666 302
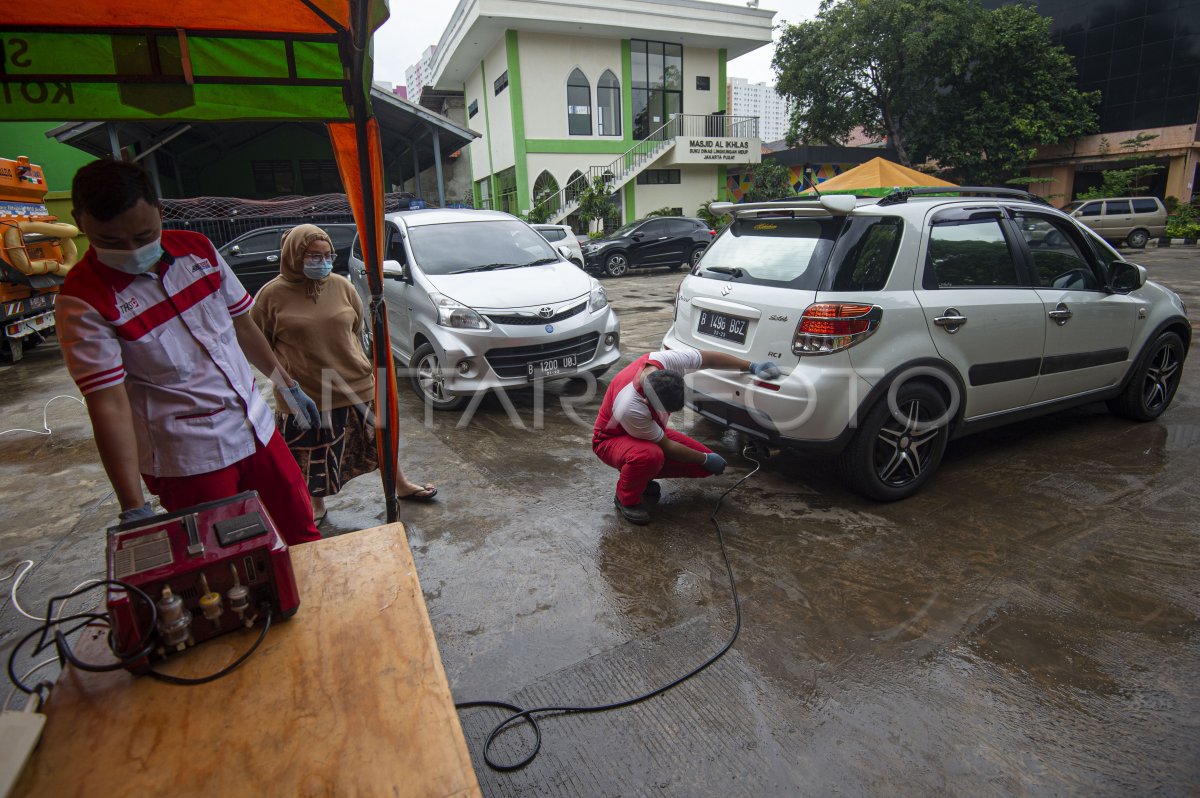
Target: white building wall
pixel 546 63
pixel 697 185
pixel 698 61
pixel 499 109
pixel 473 93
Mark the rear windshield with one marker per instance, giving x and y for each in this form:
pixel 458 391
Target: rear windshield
pixel 773 251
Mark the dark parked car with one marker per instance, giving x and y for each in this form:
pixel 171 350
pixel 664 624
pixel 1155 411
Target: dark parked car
pixel 670 241
pixel 254 256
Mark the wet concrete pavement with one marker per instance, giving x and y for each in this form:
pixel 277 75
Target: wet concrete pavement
pixel 1026 625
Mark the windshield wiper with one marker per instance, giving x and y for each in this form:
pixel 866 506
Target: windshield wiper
pixel 734 272
pixel 487 267
pixel 542 261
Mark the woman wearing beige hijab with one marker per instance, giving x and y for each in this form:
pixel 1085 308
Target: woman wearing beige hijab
pixel 313 320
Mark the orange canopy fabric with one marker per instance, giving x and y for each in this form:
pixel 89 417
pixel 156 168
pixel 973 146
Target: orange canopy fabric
pixel 275 16
pixel 878 173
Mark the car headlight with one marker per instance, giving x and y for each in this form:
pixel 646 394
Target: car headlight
pixel 599 299
pixel 455 314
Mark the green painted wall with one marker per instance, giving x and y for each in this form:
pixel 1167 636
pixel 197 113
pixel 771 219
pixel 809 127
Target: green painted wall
pixel 518 119
pixel 58 161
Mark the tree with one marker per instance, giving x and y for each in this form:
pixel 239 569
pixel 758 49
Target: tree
pixel 772 180
pixel 975 90
pixel 594 204
pixel 1124 182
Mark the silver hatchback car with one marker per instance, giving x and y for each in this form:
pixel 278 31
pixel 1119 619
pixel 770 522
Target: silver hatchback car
pixel 903 322
pixel 479 301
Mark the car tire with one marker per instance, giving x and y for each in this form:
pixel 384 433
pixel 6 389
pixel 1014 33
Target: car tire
pixel 425 376
pixel 1137 239
pixel 697 253
pixel 616 264
pixel 1154 382
pixel 600 372
pixel 1054 239
pixel 364 337
pixel 885 460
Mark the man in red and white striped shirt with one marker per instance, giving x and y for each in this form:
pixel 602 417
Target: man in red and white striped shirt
pixel 154 328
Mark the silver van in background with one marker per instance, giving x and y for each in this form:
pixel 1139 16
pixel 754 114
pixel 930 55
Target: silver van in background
pixel 1132 220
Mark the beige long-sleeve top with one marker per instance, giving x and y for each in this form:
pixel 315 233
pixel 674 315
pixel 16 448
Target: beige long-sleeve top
pixel 317 339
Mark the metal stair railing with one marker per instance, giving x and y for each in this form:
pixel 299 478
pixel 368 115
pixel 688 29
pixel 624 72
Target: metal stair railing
pixel 565 201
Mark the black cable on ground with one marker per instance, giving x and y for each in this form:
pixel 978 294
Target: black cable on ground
pixel 526 715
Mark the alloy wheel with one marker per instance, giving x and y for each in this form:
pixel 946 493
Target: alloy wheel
pixel 903 448
pixel 616 265
pixel 429 377
pixel 1161 375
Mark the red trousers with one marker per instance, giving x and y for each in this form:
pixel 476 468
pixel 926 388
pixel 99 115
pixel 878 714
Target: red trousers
pixel 271 470
pixel 640 461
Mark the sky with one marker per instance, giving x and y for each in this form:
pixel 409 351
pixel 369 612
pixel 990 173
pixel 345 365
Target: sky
pixel 416 25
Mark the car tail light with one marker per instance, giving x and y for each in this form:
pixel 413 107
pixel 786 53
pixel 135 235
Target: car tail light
pixel 712 232
pixel 833 326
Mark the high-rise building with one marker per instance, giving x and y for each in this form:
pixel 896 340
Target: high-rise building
pixel 419 75
pixel 761 100
pixel 1144 59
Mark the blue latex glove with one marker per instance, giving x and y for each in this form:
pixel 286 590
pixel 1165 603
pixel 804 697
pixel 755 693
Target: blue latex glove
pixel 715 463
pixel 136 514
pixel 765 369
pixel 305 408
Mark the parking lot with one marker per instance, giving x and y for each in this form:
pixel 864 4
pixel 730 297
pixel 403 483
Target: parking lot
pixel 1027 624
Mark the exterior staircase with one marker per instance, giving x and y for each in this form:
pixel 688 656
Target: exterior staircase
pixel 627 166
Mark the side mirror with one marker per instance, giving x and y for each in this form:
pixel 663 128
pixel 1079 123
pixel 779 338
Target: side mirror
pixel 1124 276
pixel 392 270
pixel 235 250
pixel 638 236
pixel 563 251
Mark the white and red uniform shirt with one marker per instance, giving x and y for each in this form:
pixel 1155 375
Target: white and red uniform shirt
pixel 168 335
pixel 626 411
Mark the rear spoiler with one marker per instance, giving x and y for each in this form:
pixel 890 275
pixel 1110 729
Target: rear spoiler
pixel 836 204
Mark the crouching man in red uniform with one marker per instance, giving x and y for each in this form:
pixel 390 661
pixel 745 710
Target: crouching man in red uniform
pixel 155 331
pixel 631 432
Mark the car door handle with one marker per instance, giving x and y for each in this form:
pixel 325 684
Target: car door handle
pixel 272 259
pixel 1061 314
pixel 950 320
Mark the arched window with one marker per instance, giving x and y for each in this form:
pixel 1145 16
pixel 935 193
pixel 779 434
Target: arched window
pixel 579 104
pixel 545 190
pixel 608 105
pixel 575 186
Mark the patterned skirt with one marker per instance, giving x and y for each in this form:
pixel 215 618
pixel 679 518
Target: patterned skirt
pixel 342 448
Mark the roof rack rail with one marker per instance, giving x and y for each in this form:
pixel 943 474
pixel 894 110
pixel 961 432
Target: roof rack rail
pixel 902 195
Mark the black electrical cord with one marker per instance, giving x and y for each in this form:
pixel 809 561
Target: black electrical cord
pixel 169 679
pixel 526 715
pixel 51 632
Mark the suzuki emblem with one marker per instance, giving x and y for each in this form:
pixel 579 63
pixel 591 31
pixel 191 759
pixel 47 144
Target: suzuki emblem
pixel 725 289
pixel 546 313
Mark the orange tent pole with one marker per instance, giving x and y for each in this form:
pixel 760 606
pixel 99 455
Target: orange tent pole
pixel 359 156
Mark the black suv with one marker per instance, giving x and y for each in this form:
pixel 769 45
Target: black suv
pixel 670 241
pixel 254 256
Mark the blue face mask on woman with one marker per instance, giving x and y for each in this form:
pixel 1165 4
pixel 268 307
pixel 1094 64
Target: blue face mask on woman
pixel 318 268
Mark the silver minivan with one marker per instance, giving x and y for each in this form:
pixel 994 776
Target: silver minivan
pixel 1132 220
pixel 479 301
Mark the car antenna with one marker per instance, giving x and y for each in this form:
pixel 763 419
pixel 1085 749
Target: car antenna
pixel 811 184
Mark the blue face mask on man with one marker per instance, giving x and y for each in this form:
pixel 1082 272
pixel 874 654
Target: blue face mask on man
pixel 131 261
pixel 318 268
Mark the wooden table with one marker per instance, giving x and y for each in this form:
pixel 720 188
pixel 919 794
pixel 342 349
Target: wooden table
pixel 347 698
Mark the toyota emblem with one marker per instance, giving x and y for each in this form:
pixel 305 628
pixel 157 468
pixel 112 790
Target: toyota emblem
pixel 725 289
pixel 546 313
